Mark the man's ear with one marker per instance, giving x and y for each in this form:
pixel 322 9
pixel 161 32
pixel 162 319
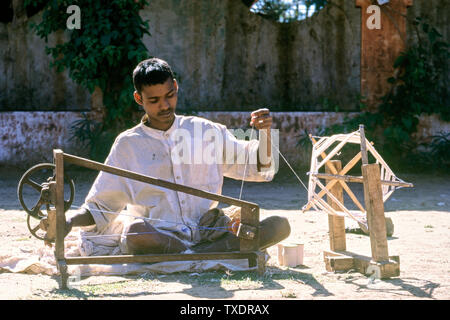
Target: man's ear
pixel 175 84
pixel 137 98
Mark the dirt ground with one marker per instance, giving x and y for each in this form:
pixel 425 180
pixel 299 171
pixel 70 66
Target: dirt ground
pixel 421 238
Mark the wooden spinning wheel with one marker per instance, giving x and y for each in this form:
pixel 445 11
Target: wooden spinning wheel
pixel 379 183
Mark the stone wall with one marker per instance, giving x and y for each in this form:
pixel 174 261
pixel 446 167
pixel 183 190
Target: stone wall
pixel 229 58
pixel 26 80
pixel 226 57
pixel 28 138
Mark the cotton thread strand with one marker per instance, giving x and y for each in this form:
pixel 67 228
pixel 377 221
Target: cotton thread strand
pixel 245 166
pixel 190 226
pixel 153 219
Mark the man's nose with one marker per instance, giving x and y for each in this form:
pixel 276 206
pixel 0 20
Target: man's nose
pixel 165 104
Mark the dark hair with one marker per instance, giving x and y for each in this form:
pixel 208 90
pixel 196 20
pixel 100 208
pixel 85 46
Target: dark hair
pixel 150 72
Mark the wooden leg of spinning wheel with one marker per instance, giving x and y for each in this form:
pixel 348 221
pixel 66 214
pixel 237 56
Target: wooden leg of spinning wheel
pixel 336 224
pixel 252 262
pixel 261 260
pixel 377 223
pixel 258 261
pixel 60 217
pixel 64 275
pixel 375 212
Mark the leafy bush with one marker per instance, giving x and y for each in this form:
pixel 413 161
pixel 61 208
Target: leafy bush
pixel 102 53
pixel 287 11
pixel 418 87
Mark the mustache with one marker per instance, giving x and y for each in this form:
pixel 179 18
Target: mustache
pixel 163 113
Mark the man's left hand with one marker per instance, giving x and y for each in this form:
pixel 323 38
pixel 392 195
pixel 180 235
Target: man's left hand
pixel 261 119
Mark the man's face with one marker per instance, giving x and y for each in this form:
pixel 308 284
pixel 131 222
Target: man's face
pixel 159 102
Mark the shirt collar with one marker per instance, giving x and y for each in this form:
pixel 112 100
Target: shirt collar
pixel 160 134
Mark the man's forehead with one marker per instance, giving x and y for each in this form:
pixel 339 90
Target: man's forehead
pixel 158 90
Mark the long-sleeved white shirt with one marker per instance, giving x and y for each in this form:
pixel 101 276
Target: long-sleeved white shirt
pixel 195 152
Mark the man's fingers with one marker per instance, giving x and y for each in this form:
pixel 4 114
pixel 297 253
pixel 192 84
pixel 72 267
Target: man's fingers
pixel 261 120
pixel 260 112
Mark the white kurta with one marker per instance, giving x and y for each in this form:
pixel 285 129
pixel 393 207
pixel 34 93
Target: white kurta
pixel 182 155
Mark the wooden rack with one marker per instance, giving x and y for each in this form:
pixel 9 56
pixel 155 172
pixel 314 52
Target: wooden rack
pixel 376 191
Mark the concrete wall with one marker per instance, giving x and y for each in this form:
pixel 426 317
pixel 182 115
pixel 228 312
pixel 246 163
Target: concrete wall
pixel 26 80
pixel 28 138
pixel 231 59
pixel 226 57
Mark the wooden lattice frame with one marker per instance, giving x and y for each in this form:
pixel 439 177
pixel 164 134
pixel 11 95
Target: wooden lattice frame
pixel 388 179
pixel 379 183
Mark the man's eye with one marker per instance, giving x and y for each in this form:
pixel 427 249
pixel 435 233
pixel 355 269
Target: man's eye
pixel 170 95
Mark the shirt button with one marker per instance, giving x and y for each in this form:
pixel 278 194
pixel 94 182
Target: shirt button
pixel 182 201
pixel 178 177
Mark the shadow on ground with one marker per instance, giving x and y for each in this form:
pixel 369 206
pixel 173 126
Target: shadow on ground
pixel 403 287
pixel 211 285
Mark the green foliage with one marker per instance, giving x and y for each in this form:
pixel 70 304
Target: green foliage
pixel 418 87
pixel 438 151
pixel 271 9
pixel 93 136
pixel 102 53
pixel 287 11
pixel 328 104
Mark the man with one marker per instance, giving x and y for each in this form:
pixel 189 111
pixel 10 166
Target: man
pixel 174 220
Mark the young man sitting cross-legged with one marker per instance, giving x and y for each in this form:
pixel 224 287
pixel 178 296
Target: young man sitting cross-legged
pixel 166 146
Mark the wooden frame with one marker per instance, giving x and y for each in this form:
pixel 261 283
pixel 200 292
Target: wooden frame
pixel 338 258
pixel 249 219
pixel 379 183
pixel 388 180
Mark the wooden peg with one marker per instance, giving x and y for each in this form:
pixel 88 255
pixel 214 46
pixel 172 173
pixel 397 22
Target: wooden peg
pixel 364 157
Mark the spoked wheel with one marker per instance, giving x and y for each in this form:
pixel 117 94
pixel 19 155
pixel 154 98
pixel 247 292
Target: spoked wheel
pixel 33 194
pixel 34 227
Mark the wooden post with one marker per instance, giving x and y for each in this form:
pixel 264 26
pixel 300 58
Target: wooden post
pixel 375 212
pixel 261 262
pixel 60 217
pixel 336 224
pixel 380 47
pixel 373 197
pixel 250 217
pixel 364 156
